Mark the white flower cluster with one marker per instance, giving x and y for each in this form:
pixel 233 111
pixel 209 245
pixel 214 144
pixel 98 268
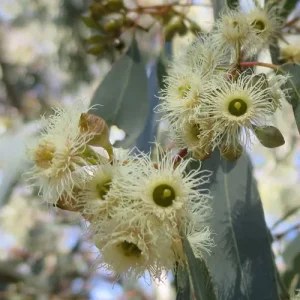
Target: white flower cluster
pixel 209 100
pixel 137 208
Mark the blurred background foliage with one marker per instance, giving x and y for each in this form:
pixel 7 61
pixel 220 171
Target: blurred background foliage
pixel 51 52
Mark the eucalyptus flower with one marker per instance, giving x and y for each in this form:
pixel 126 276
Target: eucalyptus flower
pixel 183 92
pixel 130 250
pixel 267 24
pixel 234 32
pixel 163 190
pixel 59 153
pixel 235 108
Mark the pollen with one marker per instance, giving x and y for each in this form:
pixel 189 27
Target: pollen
pixel 183 90
pixel 44 155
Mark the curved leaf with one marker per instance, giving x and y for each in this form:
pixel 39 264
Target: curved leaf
pixel 288 7
pixel 269 136
pixel 182 282
pixel 200 277
pixel 123 94
pixel 218 6
pixel 147 136
pixel 293 85
pixel 241 264
pixel 12 158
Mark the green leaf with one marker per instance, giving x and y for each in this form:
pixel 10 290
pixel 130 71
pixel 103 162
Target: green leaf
pixel 12 158
pixel 95 39
pixel 241 264
pixel 199 273
pixel 147 137
pixel 91 23
pixel 288 7
pixel 291 256
pixel 218 6
pixel 161 69
pixel 269 136
pixel 293 85
pixel 182 281
pixel 123 95
pixel 275 52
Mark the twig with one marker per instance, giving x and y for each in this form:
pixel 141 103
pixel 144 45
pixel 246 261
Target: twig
pixel 288 214
pixel 260 64
pixel 281 235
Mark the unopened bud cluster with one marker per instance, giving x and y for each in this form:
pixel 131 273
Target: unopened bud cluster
pixel 109 19
pixel 210 101
pixel 137 209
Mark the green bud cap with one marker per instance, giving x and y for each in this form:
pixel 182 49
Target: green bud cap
pixel 174 27
pixel 115 5
pixel 96 50
pixel 195 28
pixel 269 136
pixel 96 39
pixel 97 9
pixel 183 29
pixel 90 22
pixel 113 26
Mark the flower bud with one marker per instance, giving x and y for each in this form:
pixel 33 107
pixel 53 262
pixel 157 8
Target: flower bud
pixel 90 22
pixel 195 28
pixel 97 50
pixel 89 123
pixel 98 10
pixel 115 5
pixel 114 25
pixel 96 39
pixel 175 26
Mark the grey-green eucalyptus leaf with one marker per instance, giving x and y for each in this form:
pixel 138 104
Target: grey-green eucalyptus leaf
pixel 123 95
pixel 200 277
pixel 218 6
pixel 241 263
pixel 293 85
pixel 269 136
pixel 288 7
pixel 13 159
pixel 183 288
